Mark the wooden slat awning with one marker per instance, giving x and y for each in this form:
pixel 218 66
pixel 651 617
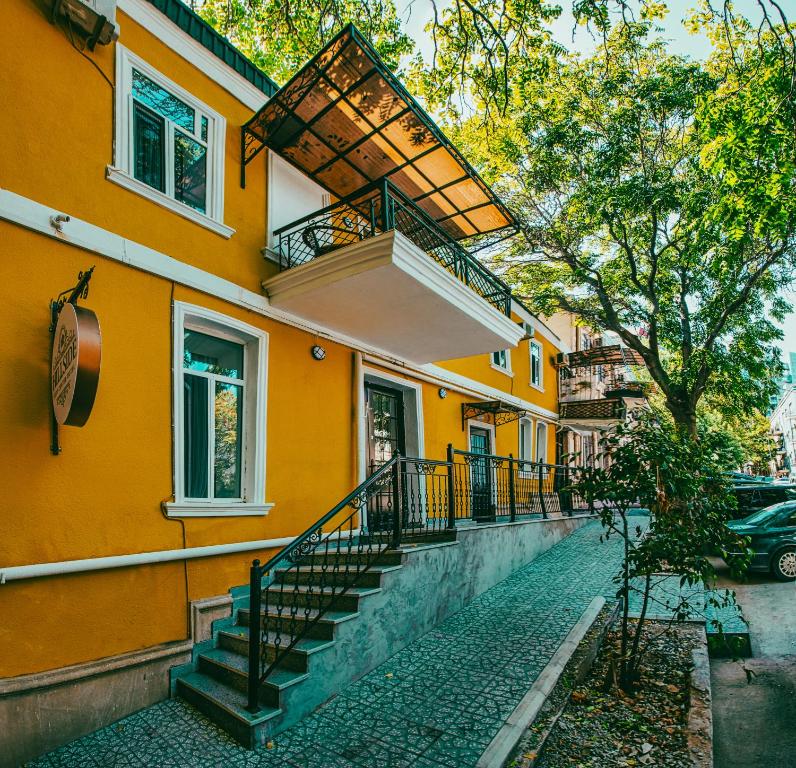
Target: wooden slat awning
pixel 614 354
pixel 347 122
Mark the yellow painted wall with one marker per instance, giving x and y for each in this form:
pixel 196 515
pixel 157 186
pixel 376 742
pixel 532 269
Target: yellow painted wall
pixel 57 129
pixel 102 495
pixel 518 383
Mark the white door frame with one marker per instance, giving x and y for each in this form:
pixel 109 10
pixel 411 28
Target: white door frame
pixel 396 382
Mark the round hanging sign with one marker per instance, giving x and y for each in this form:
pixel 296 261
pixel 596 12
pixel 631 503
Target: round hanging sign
pixel 77 346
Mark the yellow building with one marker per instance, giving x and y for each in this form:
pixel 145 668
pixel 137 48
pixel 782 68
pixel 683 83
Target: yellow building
pixel 264 347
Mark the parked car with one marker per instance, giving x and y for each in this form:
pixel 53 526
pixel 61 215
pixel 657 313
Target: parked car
pixel 772 535
pixel 754 496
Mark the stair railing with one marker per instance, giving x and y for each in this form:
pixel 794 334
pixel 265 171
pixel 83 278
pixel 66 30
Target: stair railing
pixel 405 497
pixel 322 563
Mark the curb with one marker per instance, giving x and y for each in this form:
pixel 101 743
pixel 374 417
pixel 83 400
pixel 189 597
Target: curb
pixel 699 731
pixel 503 744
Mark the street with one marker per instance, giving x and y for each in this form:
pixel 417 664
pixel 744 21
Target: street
pixel 754 700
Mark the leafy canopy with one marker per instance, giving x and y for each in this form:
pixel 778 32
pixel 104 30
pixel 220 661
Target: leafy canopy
pixel 644 213
pixel 280 36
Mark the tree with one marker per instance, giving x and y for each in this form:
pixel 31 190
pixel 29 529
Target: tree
pixel 644 214
pixel 482 48
pixel 280 37
pixel 683 484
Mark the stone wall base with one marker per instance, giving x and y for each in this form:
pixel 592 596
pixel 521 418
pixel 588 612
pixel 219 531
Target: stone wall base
pixel 44 710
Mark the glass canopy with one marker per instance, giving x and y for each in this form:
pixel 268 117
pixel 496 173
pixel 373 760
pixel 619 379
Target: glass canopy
pixel 347 122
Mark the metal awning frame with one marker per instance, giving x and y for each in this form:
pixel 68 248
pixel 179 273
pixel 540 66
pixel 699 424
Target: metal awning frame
pixel 613 354
pixel 253 142
pixel 502 413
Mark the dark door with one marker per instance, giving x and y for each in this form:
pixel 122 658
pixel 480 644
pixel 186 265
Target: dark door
pixel 385 414
pixel 481 475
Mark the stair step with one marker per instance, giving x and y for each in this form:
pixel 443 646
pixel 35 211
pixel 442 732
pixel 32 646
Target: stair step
pixel 232 669
pixel 236 639
pixel 323 629
pixel 226 706
pixel 304 574
pixel 333 556
pixel 304 595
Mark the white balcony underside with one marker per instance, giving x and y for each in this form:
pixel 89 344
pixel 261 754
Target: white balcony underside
pixel 388 293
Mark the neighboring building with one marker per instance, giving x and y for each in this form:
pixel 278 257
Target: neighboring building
pixel 783 422
pixel 246 384
pixel 598 388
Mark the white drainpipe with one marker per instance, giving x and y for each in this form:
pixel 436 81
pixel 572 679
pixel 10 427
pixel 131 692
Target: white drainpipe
pixel 19 572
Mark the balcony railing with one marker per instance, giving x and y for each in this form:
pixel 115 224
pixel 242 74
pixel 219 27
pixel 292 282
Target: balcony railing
pixel 598 382
pixel 605 409
pixel 380 209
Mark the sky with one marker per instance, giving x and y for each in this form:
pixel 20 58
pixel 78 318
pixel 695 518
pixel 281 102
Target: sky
pixel 417 13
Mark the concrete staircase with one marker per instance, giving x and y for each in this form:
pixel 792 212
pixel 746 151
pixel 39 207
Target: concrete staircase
pixel 216 681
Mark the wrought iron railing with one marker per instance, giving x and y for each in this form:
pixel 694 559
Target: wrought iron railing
pixel 402 499
pixel 381 208
pixel 487 488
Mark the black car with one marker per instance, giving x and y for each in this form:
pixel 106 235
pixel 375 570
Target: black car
pixel 754 496
pixel 772 535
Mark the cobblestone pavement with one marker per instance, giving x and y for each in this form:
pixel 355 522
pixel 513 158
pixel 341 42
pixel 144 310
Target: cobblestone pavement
pixel 438 702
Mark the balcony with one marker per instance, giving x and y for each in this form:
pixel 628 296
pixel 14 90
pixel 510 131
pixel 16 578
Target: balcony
pixel 376 267
pixel 385 264
pixel 597 387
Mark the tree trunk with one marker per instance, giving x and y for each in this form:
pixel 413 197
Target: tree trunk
pixel 684 416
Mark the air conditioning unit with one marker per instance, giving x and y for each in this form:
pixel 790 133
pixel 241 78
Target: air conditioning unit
pixel 92 19
pixel 528 328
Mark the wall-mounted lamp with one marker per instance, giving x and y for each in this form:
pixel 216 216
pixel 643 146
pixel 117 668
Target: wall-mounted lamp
pixel 318 352
pixel 442 392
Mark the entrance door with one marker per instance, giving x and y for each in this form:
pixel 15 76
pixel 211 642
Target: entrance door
pixel 481 475
pixel 385 438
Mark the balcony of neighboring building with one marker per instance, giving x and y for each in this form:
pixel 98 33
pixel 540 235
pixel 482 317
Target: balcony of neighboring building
pixel 390 262
pixel 598 388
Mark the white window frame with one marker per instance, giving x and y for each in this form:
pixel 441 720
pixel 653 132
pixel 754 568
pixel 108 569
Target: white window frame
pixel 122 172
pixel 536 384
pixel 525 422
pixel 503 369
pixel 255 370
pixel 541 427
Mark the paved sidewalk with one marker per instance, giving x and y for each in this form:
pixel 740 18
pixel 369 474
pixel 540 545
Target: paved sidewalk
pixel 439 702
pixel 754 700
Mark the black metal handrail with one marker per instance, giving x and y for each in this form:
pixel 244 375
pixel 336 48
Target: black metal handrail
pixel 405 497
pixel 377 209
pixel 489 487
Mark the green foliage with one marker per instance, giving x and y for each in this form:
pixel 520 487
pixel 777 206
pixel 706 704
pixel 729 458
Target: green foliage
pixel 655 464
pixel 737 440
pixel 627 226
pixel 280 37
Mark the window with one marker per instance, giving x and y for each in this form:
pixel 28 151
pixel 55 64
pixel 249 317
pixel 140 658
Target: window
pixel 169 146
pixel 536 363
pixel 502 360
pixel 526 444
pixel 220 370
pixel 541 441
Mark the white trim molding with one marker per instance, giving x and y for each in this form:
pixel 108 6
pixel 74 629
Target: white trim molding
pixel 35 216
pixel 254 418
pixel 121 172
pixel 216 509
pixel 194 53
